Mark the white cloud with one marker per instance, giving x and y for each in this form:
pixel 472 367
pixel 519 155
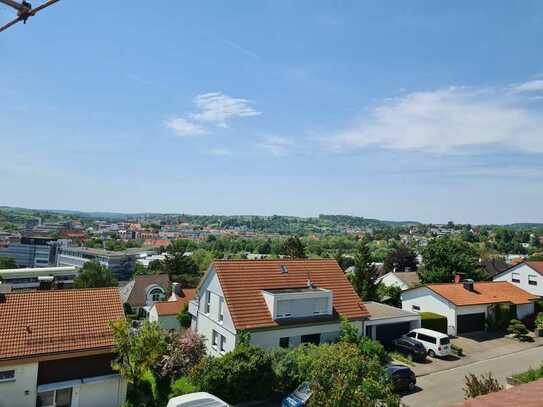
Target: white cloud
pixel 530 86
pixel 277 146
pixel 220 152
pixel 217 108
pixel 447 120
pixel 212 109
pixel 184 127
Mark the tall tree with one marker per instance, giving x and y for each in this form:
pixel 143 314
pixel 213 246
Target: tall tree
pixel 294 248
pixel 400 258
pixel 181 268
pixel 445 257
pixel 365 273
pixel 94 275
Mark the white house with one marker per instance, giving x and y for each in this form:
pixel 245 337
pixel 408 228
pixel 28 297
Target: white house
pixel 56 349
pixel 467 305
pixel 279 302
pixel 165 312
pixel 527 275
pixel 402 279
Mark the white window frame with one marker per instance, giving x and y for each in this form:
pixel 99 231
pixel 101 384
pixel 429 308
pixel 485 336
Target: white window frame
pixel 9 379
pixel 214 335
pixel 156 294
pixel 222 343
pixel 220 315
pixel 531 278
pixel 207 302
pixel 54 391
pixel 286 314
pixel 515 276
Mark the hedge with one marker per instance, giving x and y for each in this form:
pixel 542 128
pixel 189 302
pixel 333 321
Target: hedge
pixel 435 322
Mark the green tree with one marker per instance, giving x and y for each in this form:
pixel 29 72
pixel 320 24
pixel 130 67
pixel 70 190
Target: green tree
pixel 184 317
pixel 94 275
pixel 348 332
pixel 445 257
pixel 179 267
pixel 365 273
pixel 400 258
pixel 294 248
pixel 7 263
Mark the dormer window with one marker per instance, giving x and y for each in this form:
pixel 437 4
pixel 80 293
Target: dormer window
pixel 298 302
pixel 283 309
pixel 156 294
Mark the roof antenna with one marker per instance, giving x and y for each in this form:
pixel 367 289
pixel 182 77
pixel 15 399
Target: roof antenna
pixel 310 283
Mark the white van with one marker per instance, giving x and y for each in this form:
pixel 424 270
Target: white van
pixel 200 399
pixel 435 343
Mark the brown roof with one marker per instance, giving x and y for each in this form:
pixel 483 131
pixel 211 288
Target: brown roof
pixel 243 280
pixel 484 293
pixel 136 296
pixel 536 265
pixel 411 278
pixel 525 395
pixel 173 307
pixel 41 323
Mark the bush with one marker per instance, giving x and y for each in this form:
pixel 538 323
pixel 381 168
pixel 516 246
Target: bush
pixel 457 350
pixel 502 317
pixel 529 321
pixel 182 386
pixel 182 354
pixel 538 306
pixel 529 375
pixel 435 322
pixel 244 374
pixel 184 317
pixel 292 366
pixel 478 386
pixel 348 332
pixel 539 321
pixel 517 329
pixel 373 350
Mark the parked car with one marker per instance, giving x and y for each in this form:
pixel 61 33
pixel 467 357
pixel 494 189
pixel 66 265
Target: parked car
pixel 413 349
pixel 435 343
pixel 403 378
pixel 298 397
pixel 200 399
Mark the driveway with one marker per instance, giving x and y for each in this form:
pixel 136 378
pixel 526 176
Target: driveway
pixel 445 388
pixel 477 347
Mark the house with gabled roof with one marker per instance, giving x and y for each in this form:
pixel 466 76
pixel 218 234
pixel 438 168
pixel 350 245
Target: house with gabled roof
pixel 527 275
pixel 165 312
pixel 144 290
pixel 56 348
pixel 402 279
pixel 468 305
pixel 280 303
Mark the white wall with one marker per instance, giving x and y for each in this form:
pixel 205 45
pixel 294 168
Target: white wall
pixel 524 271
pixel 270 338
pixel 13 393
pixel 110 391
pixel 390 280
pixel 206 323
pixel 429 301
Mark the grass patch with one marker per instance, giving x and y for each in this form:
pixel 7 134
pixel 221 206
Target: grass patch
pixel 529 375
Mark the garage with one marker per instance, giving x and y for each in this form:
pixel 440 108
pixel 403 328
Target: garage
pixel 470 323
pixel 388 332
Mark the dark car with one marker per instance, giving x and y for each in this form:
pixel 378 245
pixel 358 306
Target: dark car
pixel 413 349
pixel 403 378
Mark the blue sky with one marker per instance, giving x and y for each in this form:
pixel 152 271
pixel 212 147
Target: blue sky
pixel 395 110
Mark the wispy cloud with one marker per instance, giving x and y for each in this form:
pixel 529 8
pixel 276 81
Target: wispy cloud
pixel 185 128
pixel 211 109
pixel 239 48
pixel 447 120
pixel 530 86
pixel 217 108
pixel 277 146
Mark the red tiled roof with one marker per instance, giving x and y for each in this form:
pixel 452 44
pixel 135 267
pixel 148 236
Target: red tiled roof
pixel 536 265
pixel 173 307
pixel 484 293
pixel 243 280
pixel 525 395
pixel 39 323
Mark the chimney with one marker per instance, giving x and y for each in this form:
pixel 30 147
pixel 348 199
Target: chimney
pixel 457 278
pixel 468 285
pixel 176 288
pixel 310 283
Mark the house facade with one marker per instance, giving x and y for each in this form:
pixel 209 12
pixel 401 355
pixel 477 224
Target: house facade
pixel 402 279
pixel 467 305
pixel 144 290
pixel 165 312
pixel 57 349
pixel 280 303
pixel 527 275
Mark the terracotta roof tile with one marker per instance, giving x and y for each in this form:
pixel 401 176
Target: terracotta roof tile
pixel 47 322
pixel 525 395
pixel 484 293
pixel 173 307
pixel 243 280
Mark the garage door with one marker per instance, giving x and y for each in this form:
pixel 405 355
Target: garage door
pixel 470 323
pixel 386 333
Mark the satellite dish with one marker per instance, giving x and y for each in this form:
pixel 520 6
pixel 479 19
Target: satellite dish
pixel 24 11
